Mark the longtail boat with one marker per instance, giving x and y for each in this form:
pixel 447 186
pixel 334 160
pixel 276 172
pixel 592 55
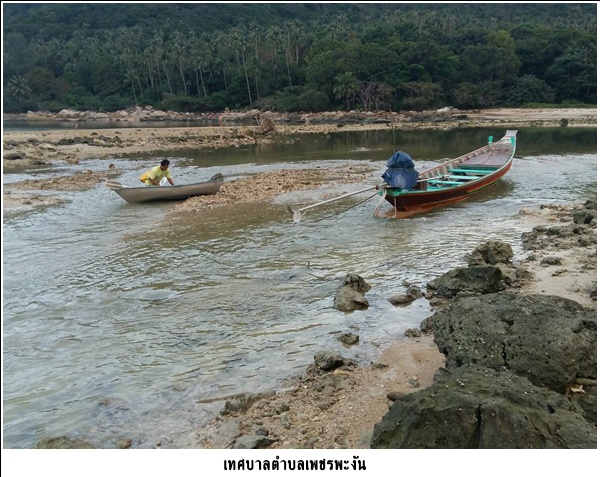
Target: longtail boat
pixel 454 180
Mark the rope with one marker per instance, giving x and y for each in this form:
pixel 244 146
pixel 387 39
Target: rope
pixel 379 203
pixel 345 210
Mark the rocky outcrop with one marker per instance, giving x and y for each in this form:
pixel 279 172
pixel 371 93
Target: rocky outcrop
pixel 521 370
pixel 480 408
pixel 547 339
pixel 580 232
pixel 489 270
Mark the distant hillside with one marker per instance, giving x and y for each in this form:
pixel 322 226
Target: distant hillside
pixel 294 56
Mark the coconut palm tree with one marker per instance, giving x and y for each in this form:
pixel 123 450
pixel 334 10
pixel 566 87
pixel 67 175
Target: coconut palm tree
pixel 274 39
pixel 18 87
pixel 179 49
pixel 346 86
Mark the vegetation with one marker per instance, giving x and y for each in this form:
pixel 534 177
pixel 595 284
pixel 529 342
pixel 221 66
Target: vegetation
pixel 297 57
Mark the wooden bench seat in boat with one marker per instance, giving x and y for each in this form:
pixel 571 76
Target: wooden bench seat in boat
pixel 464 178
pixel 484 171
pixel 436 182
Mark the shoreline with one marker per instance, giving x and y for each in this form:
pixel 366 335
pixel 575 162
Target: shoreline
pixel 339 409
pixel 74 145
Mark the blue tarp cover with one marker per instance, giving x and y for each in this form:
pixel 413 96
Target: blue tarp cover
pixel 401 171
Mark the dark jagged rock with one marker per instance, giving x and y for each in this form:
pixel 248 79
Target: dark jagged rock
pixel 252 442
pixel 477 407
pixel 521 369
pixel 491 253
pixel 476 279
pixel 548 339
pixel 584 215
pixel 327 360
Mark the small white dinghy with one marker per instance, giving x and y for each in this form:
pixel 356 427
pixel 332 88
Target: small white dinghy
pixel 135 195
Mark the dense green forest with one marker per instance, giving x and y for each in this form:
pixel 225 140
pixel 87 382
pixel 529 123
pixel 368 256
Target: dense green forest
pixel 202 57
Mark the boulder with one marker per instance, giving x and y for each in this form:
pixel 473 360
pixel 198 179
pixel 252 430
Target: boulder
pixel 475 279
pixel 350 295
pixel 479 408
pixel 547 339
pixel 491 253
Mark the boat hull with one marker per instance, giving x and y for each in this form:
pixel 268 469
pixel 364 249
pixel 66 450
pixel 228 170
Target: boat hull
pixel 136 195
pixel 453 182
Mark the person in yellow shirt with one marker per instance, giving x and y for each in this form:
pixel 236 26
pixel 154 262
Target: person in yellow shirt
pixel 156 174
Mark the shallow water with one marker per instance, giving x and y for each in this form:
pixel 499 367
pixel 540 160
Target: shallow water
pixel 120 322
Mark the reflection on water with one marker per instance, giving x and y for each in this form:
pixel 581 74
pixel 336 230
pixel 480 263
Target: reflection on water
pixel 378 145
pixel 122 321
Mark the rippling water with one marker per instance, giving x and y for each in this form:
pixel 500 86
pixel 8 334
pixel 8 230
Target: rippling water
pixel 120 322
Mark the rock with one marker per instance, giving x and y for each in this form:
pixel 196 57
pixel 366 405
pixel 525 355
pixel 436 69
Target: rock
pixel 62 442
pixel 349 338
pixel 395 395
pixel 414 291
pixel 327 361
pixel 491 253
pixel 478 408
pixel 356 282
pixel 477 278
pixel 67 114
pixel 124 443
pixel 14 156
pixel 584 216
pixel 349 300
pixel 241 402
pixel 413 333
pixel 350 295
pixel 401 300
pixel 550 261
pixel 252 442
pixel 547 339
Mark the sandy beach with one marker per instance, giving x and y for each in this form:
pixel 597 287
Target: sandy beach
pixel 341 417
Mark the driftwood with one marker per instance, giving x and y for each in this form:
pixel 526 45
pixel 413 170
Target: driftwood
pixel 266 126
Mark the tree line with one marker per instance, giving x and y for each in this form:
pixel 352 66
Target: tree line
pixel 297 57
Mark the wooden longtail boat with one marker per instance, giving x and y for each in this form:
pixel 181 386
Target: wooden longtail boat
pixel 455 180
pixel 135 195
